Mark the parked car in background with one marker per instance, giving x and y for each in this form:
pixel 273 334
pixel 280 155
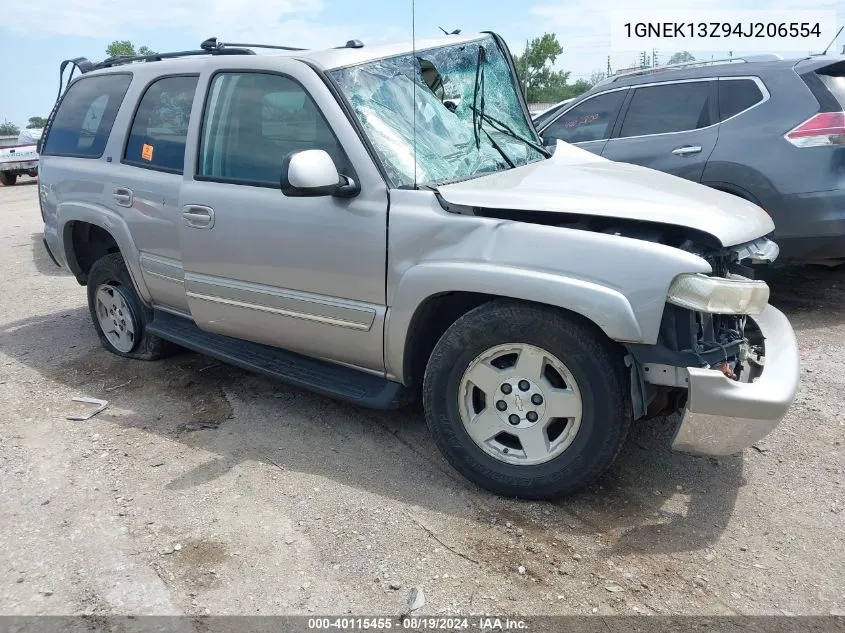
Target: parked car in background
pixel 20 159
pixel 769 130
pixel 238 205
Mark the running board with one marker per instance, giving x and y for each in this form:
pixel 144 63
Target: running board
pixel 319 376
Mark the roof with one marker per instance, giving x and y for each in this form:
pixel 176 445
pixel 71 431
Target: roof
pixel 341 57
pixel 327 59
pixel 722 68
pixel 725 69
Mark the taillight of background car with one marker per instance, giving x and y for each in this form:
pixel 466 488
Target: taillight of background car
pixel 824 128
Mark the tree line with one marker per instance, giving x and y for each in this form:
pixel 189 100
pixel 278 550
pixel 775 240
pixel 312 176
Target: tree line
pixel 117 48
pixel 541 83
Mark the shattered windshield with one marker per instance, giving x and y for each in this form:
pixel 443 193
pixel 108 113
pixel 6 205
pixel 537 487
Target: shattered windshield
pixel 468 117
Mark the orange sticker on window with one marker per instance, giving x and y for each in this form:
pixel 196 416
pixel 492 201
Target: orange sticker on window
pixel 147 152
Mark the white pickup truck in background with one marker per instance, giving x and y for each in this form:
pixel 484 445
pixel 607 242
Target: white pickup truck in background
pixel 21 158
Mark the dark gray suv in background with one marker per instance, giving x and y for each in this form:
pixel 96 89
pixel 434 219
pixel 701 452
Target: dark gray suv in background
pixel 766 129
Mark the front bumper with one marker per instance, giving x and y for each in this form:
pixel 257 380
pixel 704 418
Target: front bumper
pixel 723 416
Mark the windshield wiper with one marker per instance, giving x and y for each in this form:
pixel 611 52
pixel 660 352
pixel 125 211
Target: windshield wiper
pixel 499 149
pixel 499 126
pixel 479 85
pixel 478 108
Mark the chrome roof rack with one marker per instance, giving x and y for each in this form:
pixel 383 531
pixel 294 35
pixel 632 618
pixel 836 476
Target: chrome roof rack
pixel 211 46
pixel 766 57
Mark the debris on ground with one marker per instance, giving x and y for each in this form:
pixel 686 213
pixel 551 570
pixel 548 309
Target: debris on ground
pixel 123 384
pixel 100 404
pixel 416 600
pixel 198 426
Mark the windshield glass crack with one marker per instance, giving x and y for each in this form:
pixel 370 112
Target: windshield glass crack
pixel 463 101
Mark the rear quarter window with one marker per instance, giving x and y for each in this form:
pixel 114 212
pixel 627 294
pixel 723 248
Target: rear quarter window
pixel 836 86
pixel 85 116
pixel 737 95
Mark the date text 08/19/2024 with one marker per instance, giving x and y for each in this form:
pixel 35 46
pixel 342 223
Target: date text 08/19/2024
pixel 408 623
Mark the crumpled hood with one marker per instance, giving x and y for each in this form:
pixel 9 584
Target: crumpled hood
pixel 577 181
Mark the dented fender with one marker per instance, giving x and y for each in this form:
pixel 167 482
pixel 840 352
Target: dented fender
pixel 617 282
pixel 607 308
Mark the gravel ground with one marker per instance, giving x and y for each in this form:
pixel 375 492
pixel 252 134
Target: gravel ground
pixel 206 489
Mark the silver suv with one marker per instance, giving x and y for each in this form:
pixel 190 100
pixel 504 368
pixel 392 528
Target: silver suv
pixel 380 223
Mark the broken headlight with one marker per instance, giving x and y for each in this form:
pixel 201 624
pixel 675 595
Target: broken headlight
pixel 718 295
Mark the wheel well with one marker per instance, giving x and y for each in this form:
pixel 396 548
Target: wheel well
pixel 736 191
pixel 434 316
pixel 88 243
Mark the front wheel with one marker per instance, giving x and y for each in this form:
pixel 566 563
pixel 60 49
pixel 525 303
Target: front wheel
pixel 526 400
pixel 8 178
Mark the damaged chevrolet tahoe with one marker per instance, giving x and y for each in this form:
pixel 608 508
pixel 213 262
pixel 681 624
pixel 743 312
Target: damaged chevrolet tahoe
pixel 383 223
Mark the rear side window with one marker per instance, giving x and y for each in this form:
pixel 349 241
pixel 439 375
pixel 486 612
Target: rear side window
pixel 590 120
pixel 158 133
pixel 252 121
pixel 736 95
pixel 668 108
pixel 85 117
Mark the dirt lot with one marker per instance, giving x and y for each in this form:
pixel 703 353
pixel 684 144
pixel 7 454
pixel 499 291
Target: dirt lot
pixel 292 503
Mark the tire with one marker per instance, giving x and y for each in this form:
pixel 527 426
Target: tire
pixel 575 361
pixel 110 285
pixel 8 178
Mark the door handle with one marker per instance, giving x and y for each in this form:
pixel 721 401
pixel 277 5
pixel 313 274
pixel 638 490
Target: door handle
pixel 123 197
pixel 198 217
pixel 686 149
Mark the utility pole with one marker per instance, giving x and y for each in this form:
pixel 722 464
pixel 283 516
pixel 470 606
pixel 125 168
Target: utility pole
pixel 524 78
pixel 609 71
pixel 654 58
pixel 644 59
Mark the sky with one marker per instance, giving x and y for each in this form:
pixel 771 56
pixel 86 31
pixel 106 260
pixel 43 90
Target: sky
pixel 35 35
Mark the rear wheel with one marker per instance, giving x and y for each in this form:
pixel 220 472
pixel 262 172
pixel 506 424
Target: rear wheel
pixel 526 401
pixel 118 314
pixel 8 178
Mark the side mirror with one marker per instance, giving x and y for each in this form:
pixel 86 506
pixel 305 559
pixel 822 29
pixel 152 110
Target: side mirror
pixel 312 172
